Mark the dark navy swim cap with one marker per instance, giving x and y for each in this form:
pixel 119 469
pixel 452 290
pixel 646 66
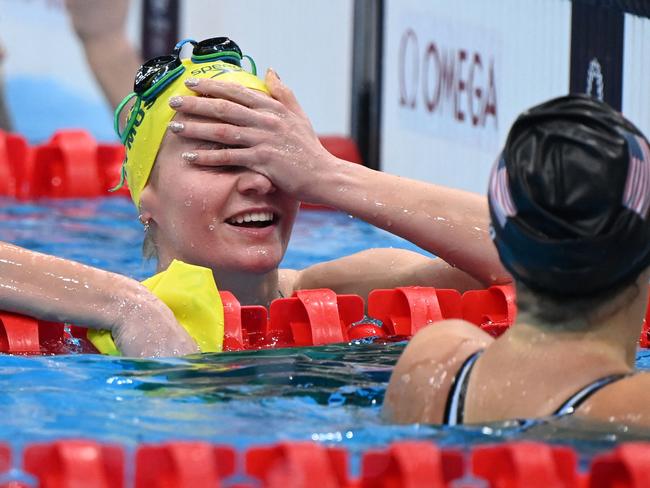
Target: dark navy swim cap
pixel 569 198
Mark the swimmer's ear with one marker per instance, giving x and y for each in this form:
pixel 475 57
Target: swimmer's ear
pixel 281 92
pixel 148 203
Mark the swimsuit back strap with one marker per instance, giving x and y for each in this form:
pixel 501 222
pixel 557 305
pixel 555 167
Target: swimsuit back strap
pixel 581 395
pixel 454 409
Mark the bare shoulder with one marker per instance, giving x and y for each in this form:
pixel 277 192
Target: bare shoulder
pixel 625 401
pixel 423 375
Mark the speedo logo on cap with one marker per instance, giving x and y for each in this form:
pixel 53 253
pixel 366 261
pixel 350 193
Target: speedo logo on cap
pixel 219 68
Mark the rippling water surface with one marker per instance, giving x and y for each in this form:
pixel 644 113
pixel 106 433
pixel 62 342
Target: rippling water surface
pixel 331 394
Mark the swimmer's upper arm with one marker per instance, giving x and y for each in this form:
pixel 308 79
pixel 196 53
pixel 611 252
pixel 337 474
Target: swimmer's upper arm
pixel 423 375
pixel 367 270
pixel 625 401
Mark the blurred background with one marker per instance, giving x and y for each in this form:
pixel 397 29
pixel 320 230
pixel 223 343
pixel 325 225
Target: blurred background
pixel 426 88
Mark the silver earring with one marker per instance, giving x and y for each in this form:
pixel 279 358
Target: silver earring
pixel 145 223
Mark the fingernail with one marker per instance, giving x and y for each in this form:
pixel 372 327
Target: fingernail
pixel 176 126
pixel 275 73
pixel 191 82
pixel 189 156
pixel 175 102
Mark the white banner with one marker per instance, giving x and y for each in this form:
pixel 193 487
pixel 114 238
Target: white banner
pixel 455 77
pixel 448 80
pixel 636 72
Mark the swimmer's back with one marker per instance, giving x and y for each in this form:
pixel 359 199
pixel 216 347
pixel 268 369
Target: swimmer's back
pixel 502 385
pixel 422 379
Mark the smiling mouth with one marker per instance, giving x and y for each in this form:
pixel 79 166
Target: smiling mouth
pixel 253 219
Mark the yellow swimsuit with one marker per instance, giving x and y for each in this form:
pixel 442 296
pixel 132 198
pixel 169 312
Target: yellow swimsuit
pixel 191 293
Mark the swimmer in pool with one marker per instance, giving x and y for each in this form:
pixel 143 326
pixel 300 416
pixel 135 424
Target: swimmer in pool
pixel 55 289
pixel 232 210
pixel 569 206
pixel 227 222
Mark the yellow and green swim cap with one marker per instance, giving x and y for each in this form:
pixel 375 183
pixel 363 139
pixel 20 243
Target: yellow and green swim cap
pixel 152 117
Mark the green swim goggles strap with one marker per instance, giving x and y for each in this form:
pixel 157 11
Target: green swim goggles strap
pixel 226 56
pixel 253 65
pixel 118 111
pixel 123 136
pixel 120 184
pixel 203 58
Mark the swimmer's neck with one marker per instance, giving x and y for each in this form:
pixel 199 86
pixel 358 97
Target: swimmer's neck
pixel 249 288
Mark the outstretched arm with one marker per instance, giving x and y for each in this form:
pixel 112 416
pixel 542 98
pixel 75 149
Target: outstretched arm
pixel 274 137
pixel 100 25
pixel 55 289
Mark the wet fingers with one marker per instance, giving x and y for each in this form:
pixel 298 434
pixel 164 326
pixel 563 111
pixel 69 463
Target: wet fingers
pixel 226 134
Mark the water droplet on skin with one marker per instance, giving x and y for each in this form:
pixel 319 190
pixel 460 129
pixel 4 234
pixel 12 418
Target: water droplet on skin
pixel 188 203
pixel 211 227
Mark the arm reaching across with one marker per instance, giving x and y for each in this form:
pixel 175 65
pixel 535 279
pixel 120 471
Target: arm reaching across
pixel 55 289
pixel 273 136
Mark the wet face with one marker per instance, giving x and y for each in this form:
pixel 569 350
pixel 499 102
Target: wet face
pixel 225 218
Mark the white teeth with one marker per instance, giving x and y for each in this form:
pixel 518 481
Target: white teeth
pixel 252 217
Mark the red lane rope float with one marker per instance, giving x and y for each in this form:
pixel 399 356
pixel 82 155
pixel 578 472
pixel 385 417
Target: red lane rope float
pixel 626 466
pixel 404 464
pixel 644 340
pixel 411 464
pixel 309 318
pixel 72 164
pixel 299 465
pixel 183 464
pixel 405 310
pixel 528 464
pixel 75 463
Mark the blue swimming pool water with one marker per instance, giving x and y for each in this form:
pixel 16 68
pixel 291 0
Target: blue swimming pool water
pixel 330 394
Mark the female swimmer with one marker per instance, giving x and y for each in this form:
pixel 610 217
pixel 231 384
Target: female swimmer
pixel 232 210
pixel 569 206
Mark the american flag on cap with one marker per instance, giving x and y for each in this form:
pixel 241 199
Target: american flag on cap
pixel 499 192
pixel 636 195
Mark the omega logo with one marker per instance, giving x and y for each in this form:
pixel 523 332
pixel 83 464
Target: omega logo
pixel 445 80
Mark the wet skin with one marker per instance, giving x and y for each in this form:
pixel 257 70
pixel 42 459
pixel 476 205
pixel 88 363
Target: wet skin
pixel 197 212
